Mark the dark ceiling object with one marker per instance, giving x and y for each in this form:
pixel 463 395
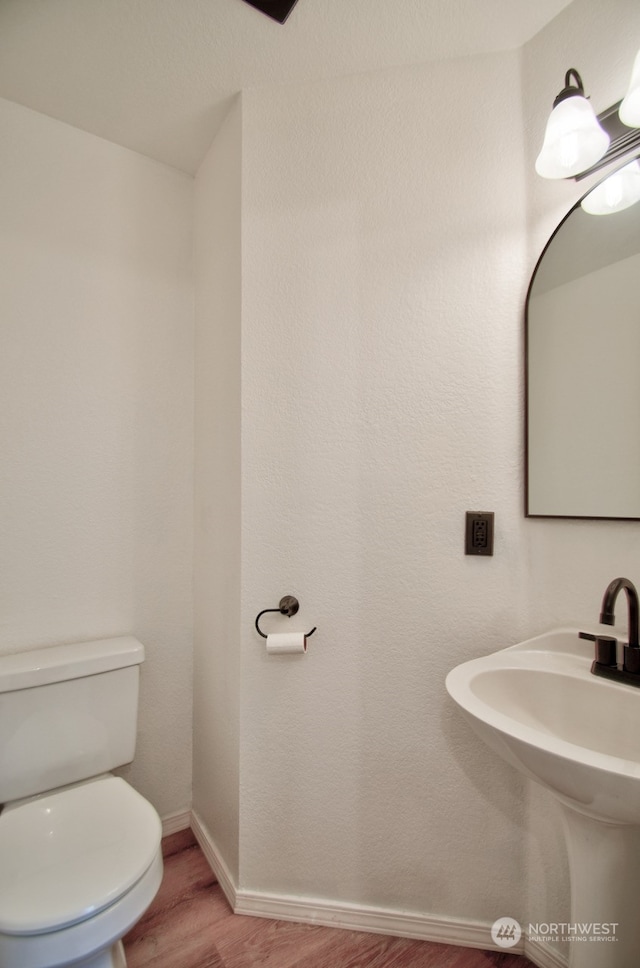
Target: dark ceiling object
pixel 276 9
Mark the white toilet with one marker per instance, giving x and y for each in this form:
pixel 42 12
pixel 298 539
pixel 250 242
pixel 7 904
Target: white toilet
pixel 80 855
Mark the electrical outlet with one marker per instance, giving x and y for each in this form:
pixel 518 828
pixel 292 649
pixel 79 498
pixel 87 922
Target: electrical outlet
pixel 479 533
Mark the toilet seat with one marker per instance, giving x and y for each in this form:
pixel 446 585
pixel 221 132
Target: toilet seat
pixel 70 854
pixel 85 938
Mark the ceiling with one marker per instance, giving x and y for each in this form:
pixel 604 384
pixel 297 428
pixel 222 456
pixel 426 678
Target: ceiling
pixel 157 76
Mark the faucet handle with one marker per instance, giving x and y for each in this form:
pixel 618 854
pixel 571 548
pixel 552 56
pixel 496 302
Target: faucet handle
pixel 606 648
pixel 632 659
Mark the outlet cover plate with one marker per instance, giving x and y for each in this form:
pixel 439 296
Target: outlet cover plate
pixel 479 533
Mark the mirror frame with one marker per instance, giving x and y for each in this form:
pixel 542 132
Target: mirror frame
pixel 527 513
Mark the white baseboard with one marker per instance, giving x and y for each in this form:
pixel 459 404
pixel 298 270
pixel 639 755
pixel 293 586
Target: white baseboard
pixel 356 917
pixel 215 860
pixel 544 955
pixel 171 824
pixel 334 914
pixel 352 917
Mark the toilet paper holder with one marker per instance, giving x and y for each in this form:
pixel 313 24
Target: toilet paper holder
pixel 287 606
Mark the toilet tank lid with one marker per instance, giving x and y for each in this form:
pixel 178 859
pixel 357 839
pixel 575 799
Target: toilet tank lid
pixel 23 670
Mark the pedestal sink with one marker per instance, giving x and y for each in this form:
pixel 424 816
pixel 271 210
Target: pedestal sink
pixel 539 707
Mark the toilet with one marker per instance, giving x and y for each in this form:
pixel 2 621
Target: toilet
pixel 80 854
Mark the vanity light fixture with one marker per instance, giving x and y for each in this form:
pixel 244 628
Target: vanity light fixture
pixel 573 139
pixel 630 107
pixel 577 142
pixel 618 191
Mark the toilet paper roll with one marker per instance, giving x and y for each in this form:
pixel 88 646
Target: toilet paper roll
pixel 286 643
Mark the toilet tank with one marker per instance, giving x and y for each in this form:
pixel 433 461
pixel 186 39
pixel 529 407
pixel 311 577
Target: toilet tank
pixel 67 713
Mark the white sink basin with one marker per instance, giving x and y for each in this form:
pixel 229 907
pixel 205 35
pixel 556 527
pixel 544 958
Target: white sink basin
pixel 540 708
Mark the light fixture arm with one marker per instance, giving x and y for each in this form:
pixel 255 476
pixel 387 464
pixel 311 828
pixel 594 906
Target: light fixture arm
pixel 577 142
pixel 623 140
pixel 573 138
pixel 569 89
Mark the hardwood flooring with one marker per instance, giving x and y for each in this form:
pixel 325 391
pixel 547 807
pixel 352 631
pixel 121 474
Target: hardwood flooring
pixel 190 925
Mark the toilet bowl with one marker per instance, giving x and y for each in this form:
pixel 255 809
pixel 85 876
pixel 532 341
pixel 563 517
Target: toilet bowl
pixel 80 849
pixel 79 867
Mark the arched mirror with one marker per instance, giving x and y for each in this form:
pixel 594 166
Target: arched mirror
pixel 583 369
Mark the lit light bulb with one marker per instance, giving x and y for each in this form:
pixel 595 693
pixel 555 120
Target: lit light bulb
pixel 617 192
pixel 573 139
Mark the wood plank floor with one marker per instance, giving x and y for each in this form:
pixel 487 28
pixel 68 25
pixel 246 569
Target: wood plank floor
pixel 190 925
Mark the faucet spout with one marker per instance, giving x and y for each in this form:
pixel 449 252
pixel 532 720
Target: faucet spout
pixel 607 616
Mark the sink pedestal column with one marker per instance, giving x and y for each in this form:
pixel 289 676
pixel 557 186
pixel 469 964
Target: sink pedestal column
pixel 604 870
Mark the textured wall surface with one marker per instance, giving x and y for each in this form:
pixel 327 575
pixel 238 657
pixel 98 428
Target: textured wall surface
pixel 570 563
pixel 386 254
pixel 158 75
pixel 372 241
pixel 216 683
pixel 96 366
pixel 383 276
pixel 601 41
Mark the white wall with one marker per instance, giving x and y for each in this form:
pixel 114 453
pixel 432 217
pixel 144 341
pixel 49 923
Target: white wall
pixel 601 41
pixel 96 366
pixel 362 258
pixel 385 260
pixel 216 723
pixel 570 563
pixel 383 279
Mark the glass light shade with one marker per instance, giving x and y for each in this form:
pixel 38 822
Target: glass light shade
pixel 630 108
pixel 617 192
pixel 573 140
